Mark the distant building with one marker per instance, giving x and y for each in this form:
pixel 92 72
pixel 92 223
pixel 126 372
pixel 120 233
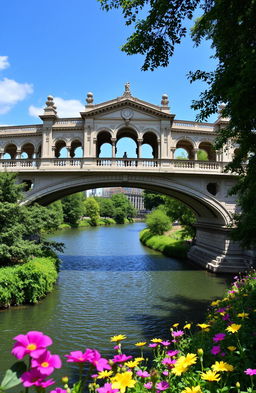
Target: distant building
pixel 135 196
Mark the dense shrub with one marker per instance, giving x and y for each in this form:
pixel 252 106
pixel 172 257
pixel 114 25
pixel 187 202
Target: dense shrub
pixel 27 283
pixel 169 246
pixel 158 222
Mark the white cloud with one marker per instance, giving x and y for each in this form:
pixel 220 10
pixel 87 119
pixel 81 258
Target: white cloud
pixel 12 92
pixel 4 62
pixel 65 108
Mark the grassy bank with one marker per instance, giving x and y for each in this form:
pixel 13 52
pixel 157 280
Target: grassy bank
pixel 27 283
pixel 86 223
pixel 171 245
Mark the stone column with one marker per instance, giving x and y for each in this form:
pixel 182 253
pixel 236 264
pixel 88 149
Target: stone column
pixel 18 155
pixel 49 117
pixel 195 151
pixel 113 141
pixel 139 144
pixel 159 149
pixel 172 152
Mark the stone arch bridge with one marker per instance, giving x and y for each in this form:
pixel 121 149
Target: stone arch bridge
pixel 35 153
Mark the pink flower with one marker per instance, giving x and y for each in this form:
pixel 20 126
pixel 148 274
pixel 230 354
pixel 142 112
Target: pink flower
pixel 46 363
pixel 152 345
pixel 165 372
pixel 168 361
pixel 99 362
pixel 107 388
pixel 172 353
pixel 163 385
pixel 58 390
pixel 148 385
pixel 34 377
pixel 219 337
pixel 121 358
pixel 79 356
pixel 30 343
pixel 177 333
pixel 143 374
pixel 215 350
pixel 250 371
pixel 165 343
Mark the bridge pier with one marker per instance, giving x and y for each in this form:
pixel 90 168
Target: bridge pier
pixel 214 250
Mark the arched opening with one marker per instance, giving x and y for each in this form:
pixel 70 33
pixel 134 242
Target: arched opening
pixel 76 149
pixel 60 149
pixel 27 151
pixel 184 150
pixel 126 145
pixel 208 148
pixel 104 144
pixel 10 152
pixel 149 147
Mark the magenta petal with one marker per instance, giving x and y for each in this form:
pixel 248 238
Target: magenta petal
pixel 22 339
pixel 19 351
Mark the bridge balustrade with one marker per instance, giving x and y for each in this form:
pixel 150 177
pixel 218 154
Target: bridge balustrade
pixel 113 163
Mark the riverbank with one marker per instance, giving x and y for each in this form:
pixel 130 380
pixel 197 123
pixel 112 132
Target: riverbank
pixel 171 244
pixel 27 283
pixel 86 223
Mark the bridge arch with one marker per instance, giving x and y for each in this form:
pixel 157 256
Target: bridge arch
pixel 205 206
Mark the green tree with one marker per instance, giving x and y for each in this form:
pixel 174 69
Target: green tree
pixel 22 227
pixel 73 208
pixel 106 207
pixel 122 203
pixel 230 25
pixel 56 218
pixel 202 155
pixel 177 211
pixel 158 222
pixel 10 190
pixel 92 210
pixel 152 199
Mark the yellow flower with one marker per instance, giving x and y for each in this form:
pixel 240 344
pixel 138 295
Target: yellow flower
pixel 210 376
pixel 222 366
pixel 119 337
pixel 156 340
pixel 243 315
pixel 232 348
pixel 183 363
pixel 215 303
pixel 193 389
pixel 141 344
pixel 187 326
pixel 122 381
pixel 203 325
pixel 132 363
pixel 233 328
pixel 139 360
pixel 175 325
pixel 104 374
pixel 200 351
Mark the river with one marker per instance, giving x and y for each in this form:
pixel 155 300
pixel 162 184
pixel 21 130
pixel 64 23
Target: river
pixel 111 284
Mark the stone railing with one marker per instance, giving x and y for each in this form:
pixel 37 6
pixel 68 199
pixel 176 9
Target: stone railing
pixel 110 164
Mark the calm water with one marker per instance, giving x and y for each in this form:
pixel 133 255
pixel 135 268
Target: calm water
pixel 110 284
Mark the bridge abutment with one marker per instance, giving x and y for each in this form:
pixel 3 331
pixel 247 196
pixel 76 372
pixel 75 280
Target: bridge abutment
pixel 214 250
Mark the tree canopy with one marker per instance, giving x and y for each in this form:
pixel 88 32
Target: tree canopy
pixel 230 25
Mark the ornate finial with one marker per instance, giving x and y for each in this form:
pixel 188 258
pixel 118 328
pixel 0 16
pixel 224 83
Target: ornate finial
pixel 165 100
pixel 50 109
pixel 127 91
pixel 89 98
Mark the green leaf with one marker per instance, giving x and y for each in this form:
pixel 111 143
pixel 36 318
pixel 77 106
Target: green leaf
pixel 12 376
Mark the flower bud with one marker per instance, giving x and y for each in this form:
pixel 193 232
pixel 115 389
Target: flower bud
pixel 64 379
pixel 200 351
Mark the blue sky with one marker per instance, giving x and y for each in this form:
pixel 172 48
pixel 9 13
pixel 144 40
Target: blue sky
pixel 68 48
